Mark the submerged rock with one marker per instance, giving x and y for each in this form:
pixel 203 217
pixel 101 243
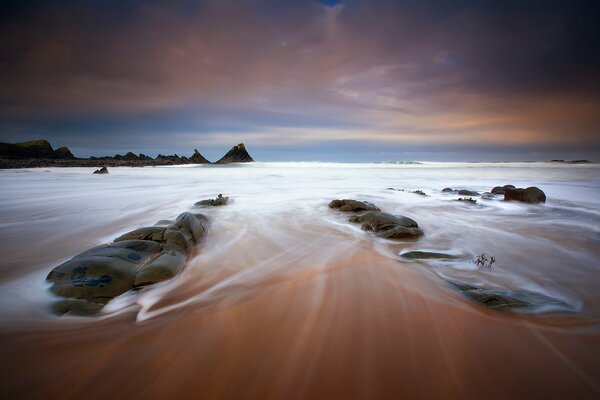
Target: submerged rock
pixel 428 255
pixel 352 205
pixel 465 200
pixel 141 257
pixel 530 195
pixel 420 193
pixel 388 226
pixel 464 192
pixel 504 300
pixel 102 170
pixel 447 190
pixel 220 200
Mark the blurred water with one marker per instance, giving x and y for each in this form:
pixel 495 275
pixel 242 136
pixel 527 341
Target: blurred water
pixel 48 215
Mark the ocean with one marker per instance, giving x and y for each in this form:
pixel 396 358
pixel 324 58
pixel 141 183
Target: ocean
pixel 287 299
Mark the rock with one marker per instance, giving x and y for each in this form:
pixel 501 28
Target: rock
pixel 503 300
pixel 400 232
pixel 378 221
pixel 388 226
pixel 102 170
pixel 141 257
pixel 161 268
pixel 428 255
pixel 76 307
pixel 530 195
pixel 64 153
pixel 130 157
pixel 198 158
pixel 420 193
pixel 447 190
pixel 534 195
pixel 501 189
pixel 218 201
pixel 464 192
pixel 465 200
pixel 236 154
pixel 352 205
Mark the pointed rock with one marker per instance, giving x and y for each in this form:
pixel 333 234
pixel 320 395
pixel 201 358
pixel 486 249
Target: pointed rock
pixel 198 158
pixel 236 154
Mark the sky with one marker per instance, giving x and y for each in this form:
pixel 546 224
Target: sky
pixel 305 80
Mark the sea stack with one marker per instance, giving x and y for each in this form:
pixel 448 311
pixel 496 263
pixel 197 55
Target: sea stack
pixel 198 158
pixel 236 154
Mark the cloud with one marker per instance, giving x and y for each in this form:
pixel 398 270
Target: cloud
pixel 289 73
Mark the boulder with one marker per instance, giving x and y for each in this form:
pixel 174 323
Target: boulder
pixel 529 195
pixel 218 201
pixel 420 193
pixel 388 226
pixel 141 257
pixel 102 170
pixel 504 300
pixel 428 255
pixel 378 221
pixel 447 190
pixel 501 189
pixel 400 232
pixel 352 205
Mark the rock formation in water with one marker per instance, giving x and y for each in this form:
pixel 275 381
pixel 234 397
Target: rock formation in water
pixel 235 155
pixel 39 153
pixel 529 195
pixel 102 170
pixel 388 226
pixel 138 258
pixel 220 200
pixel 198 158
pixel 384 225
pixel 504 300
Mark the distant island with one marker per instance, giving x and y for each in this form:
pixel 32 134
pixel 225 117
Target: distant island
pixel 40 153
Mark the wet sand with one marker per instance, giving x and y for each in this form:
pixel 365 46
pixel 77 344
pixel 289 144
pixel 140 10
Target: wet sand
pixel 358 326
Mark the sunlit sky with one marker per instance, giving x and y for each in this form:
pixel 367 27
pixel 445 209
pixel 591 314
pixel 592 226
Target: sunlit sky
pixel 307 80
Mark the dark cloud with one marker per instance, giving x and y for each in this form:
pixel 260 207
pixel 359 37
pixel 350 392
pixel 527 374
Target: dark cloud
pixel 291 73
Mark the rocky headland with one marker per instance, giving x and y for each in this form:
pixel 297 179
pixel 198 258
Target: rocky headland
pixel 41 154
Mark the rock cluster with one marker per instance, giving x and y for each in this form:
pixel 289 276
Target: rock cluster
pixel 384 225
pixel 388 226
pixel 529 195
pixel 138 258
pixel 39 153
